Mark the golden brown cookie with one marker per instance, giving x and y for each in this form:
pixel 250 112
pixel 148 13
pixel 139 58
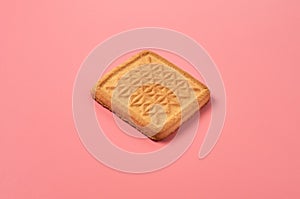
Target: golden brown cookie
pixel 151 94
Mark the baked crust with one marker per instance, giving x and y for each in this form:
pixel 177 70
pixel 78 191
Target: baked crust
pixel 139 109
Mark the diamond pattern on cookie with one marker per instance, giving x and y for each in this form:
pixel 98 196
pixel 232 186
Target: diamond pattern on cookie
pixel 151 94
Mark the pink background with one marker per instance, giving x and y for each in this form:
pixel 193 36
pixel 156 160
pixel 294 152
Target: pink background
pixel 255 45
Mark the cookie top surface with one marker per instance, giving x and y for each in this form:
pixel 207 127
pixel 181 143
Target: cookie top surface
pixel 151 94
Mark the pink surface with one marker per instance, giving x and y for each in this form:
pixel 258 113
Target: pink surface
pixel 255 45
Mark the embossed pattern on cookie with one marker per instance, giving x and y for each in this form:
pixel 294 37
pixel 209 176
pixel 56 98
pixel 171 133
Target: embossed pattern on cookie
pixel 151 94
